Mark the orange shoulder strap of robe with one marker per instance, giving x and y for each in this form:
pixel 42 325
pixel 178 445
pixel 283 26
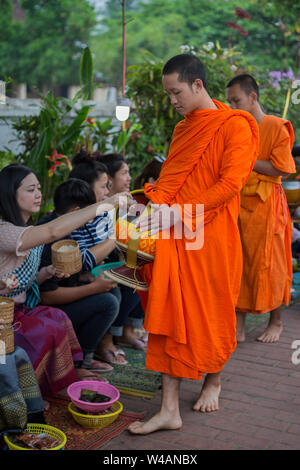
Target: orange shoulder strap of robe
pixel 259 184
pixel 190 139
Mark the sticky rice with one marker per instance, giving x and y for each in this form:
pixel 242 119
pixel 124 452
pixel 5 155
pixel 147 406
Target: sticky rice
pixel 66 248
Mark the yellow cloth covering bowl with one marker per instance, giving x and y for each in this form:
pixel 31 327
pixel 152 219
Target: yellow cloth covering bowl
pixel 125 229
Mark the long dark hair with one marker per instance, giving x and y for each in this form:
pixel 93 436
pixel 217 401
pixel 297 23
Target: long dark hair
pixel 11 178
pixel 152 170
pixel 86 168
pixel 112 161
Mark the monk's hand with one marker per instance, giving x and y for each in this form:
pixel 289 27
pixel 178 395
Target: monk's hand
pixel 162 218
pixel 124 200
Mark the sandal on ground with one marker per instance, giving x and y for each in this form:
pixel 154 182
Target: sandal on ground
pixel 98 366
pixel 144 338
pixel 136 343
pixel 112 357
pixel 84 374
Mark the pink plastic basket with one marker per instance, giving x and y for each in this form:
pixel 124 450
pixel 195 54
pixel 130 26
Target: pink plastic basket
pixel 74 391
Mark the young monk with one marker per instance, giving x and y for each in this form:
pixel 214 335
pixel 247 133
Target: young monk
pixel 190 314
pixel 264 220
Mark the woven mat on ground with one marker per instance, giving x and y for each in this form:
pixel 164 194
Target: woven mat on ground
pixel 296 287
pixel 79 438
pixel 134 379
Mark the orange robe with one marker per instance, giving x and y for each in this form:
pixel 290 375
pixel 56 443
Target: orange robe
pixel 265 224
pixel 190 312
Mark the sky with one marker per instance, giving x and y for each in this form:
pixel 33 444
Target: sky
pixel 98 3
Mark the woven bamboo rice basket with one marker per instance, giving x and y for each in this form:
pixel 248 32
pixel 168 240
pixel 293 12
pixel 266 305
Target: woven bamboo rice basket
pixel 68 262
pixel 6 309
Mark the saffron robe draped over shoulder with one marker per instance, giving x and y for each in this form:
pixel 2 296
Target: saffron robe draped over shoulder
pixel 265 224
pixel 190 309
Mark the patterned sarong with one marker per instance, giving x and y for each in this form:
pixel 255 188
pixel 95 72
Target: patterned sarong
pixel 48 337
pixel 19 391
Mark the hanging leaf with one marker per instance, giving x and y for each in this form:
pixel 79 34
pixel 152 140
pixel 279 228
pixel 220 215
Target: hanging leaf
pixel 86 74
pixel 75 127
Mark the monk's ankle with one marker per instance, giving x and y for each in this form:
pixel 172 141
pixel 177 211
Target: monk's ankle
pixel 212 380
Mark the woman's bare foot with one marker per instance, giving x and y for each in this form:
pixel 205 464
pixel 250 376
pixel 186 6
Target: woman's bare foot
pixel 161 420
pixel 46 405
pixel 271 334
pixel 209 396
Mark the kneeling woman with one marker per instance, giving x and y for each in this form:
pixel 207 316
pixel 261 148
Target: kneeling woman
pixel 46 333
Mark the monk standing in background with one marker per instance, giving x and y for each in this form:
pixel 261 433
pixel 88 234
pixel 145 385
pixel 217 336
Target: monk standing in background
pixel 193 289
pixel 264 221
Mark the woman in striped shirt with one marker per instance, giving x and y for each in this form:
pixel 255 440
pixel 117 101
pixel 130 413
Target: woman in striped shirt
pixel 101 176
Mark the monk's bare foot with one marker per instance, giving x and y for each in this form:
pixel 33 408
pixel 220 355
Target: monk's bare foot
pixel 272 333
pixel 159 421
pixel 240 336
pixel 240 327
pixel 209 397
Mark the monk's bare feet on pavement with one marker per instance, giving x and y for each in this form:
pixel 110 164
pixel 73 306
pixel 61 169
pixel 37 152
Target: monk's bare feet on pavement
pixel 271 334
pixel 169 415
pixel 157 422
pixel 274 328
pixel 240 327
pixel 209 397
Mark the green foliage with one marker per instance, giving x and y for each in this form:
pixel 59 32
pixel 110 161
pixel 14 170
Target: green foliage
pixel 45 48
pixel 146 91
pixel 27 130
pixel 153 111
pixel 50 132
pixel 220 64
pixel 6 158
pixel 86 74
pixel 52 138
pixel 274 98
pixel 271 40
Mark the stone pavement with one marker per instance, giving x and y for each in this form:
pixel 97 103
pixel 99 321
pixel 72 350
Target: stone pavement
pixel 259 406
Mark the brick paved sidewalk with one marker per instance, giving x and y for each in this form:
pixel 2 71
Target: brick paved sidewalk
pixel 260 402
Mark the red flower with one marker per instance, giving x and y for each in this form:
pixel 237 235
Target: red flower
pixel 243 32
pixel 236 26
pixel 54 158
pixel 232 25
pixel 91 121
pixel 240 13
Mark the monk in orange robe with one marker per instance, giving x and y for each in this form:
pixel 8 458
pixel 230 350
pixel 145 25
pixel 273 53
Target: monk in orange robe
pixel 264 221
pixel 194 283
